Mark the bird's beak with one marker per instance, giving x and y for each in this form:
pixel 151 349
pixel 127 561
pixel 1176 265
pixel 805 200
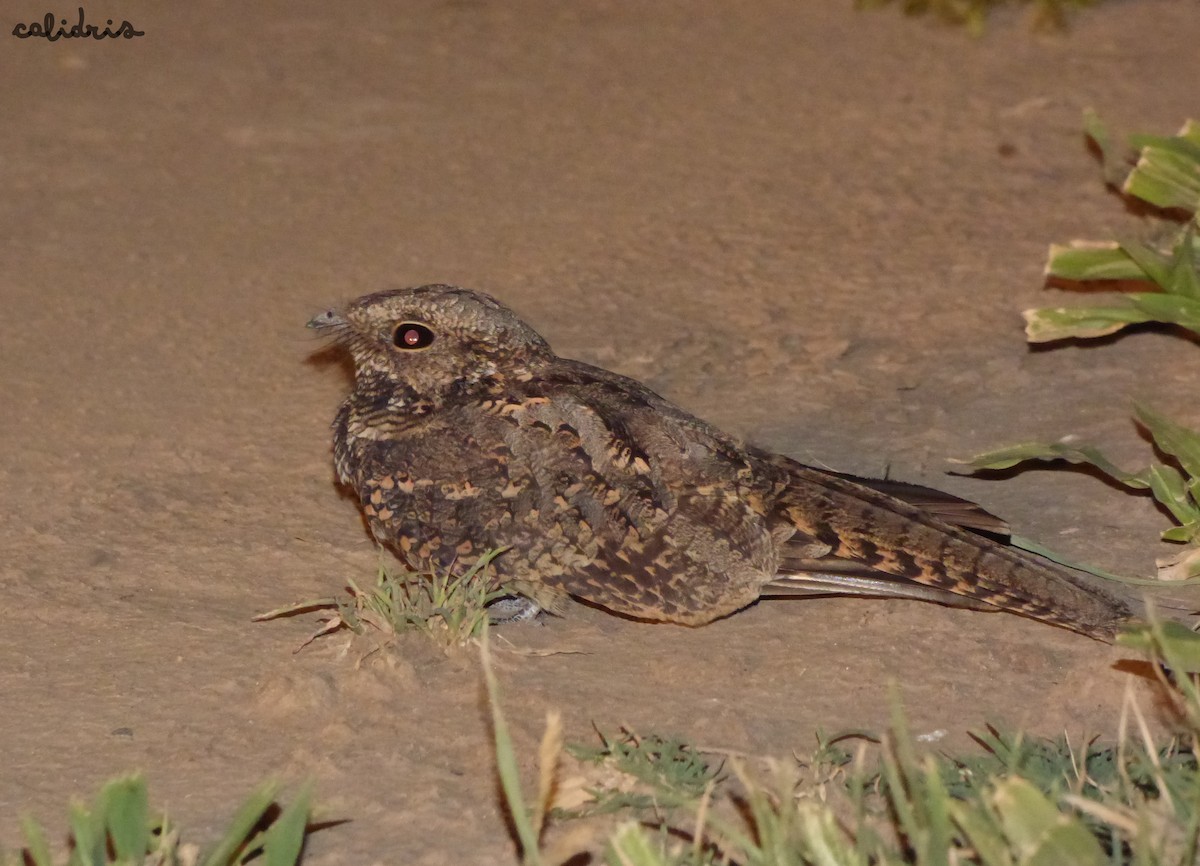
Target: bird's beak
pixel 327 319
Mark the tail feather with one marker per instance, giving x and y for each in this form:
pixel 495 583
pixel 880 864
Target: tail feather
pixel 868 585
pixel 865 538
pixel 945 506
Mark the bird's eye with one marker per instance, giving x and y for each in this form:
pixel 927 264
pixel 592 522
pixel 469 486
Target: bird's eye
pixel 412 335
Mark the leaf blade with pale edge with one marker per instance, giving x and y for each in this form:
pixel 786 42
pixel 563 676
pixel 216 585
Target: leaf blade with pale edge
pixel 1061 323
pixel 1006 458
pixel 1167 173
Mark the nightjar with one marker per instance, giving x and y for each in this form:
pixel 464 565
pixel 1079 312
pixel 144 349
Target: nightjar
pixel 465 432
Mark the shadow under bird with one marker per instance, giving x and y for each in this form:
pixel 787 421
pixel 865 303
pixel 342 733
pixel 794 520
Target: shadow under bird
pixel 465 433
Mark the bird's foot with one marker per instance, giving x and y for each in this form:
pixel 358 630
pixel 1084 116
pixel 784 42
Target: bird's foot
pixel 514 608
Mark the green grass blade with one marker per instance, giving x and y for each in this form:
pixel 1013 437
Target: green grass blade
pixel 88 833
pixel 297 607
pixel 35 843
pixel 126 815
pixel 1168 309
pixel 1180 442
pixel 937 809
pixel 982 833
pixel 630 845
pixel 1112 159
pixel 1185 144
pixel 285 839
pixel 1069 843
pixel 1184 278
pixel 898 770
pixel 243 822
pixel 506 763
pixel 1157 265
pixel 1046 553
pixel 1168 488
pixel 824 842
pixel 1082 261
pixel 1169 639
pixel 1186 533
pixel 1024 812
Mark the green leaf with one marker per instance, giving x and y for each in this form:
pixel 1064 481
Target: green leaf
pixel 506 762
pixel 630 846
pixel 1004 458
pixel 1167 308
pixel 88 833
pixel 35 843
pixel 1041 835
pixel 285 839
pixel 1183 278
pixel 1060 323
pixel 1070 843
pixel 824 842
pixel 984 836
pixel 1185 142
pixel 124 805
pixel 1085 261
pixel 1171 640
pixel 1115 167
pixel 1167 173
pixel 899 769
pixel 1166 483
pixel 1186 532
pixel 243 822
pixel 1180 442
pixel 1046 553
pixel 938 840
pixel 1155 263
pixel 1024 812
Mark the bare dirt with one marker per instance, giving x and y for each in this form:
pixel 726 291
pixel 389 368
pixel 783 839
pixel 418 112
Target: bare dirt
pixel 812 226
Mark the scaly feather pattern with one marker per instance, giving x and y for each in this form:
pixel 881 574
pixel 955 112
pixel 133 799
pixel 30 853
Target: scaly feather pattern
pixel 465 432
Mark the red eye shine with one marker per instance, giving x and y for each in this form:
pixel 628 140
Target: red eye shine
pixel 412 335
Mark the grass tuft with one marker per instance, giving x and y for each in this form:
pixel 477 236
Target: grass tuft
pixel 1164 174
pixel 451 610
pixel 119 828
pixel 665 772
pixel 1020 801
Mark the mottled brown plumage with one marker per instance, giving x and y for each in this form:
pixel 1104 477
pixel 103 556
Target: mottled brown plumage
pixel 465 432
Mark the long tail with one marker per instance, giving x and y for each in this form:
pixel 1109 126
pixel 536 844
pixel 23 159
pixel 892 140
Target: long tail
pixel 852 539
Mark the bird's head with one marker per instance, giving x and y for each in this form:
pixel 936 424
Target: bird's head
pixel 433 338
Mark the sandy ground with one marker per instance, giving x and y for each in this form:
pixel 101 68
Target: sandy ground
pixel 812 226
